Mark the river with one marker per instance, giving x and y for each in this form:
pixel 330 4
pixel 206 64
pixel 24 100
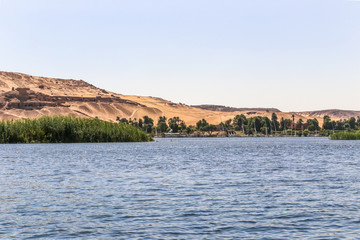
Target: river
pixel 191 188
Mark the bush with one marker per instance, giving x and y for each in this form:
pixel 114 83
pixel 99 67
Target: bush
pixel 325 133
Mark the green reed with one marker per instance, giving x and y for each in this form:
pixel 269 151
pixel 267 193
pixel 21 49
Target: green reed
pixel 345 136
pixel 61 129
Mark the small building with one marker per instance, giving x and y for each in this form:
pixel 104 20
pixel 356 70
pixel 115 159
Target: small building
pixel 299 127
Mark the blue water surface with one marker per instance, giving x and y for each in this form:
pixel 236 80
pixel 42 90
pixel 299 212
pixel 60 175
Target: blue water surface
pixel 199 188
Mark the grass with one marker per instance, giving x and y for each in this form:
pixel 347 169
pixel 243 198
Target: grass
pixel 345 136
pixel 60 129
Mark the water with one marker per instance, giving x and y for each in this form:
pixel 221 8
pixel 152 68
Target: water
pixel 221 188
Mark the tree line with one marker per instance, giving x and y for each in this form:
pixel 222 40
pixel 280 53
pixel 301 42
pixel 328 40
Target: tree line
pixel 168 125
pixel 246 125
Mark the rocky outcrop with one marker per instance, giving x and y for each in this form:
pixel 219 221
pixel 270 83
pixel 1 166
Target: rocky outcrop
pixel 24 98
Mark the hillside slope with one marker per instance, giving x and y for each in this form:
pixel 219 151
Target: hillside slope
pixel 26 96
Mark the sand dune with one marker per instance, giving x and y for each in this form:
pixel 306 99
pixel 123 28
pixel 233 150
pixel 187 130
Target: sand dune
pixel 25 96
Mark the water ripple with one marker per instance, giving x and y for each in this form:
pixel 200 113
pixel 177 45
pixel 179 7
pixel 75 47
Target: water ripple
pixel 246 188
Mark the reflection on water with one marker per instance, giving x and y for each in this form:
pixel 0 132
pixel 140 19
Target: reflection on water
pixel 245 188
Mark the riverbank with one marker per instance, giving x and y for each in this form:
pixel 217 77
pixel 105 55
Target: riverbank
pixel 224 135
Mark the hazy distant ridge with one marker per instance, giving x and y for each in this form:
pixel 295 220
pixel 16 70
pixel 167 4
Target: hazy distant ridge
pixel 221 108
pixel 333 113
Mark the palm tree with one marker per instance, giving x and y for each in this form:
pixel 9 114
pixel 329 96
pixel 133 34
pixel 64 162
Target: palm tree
pixel 274 120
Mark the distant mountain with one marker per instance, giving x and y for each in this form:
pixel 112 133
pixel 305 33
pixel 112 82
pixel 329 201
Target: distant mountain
pixel 332 113
pixel 221 108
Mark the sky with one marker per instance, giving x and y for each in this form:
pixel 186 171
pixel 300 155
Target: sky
pixel 294 55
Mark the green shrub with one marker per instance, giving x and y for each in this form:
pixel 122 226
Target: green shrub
pixel 306 133
pixel 325 133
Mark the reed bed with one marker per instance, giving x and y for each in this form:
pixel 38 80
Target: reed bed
pixel 345 136
pixel 61 129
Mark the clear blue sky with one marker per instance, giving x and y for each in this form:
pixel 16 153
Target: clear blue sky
pixel 290 54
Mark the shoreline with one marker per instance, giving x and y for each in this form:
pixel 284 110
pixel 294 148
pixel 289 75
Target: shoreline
pixel 239 136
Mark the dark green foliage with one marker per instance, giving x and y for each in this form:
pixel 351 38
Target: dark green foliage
pixel 266 125
pixel 347 126
pixel 148 124
pixel 239 122
pixel 174 124
pixel 202 124
pixel 285 124
pixel 162 126
pixel 275 123
pixel 299 122
pixel 249 126
pixel 190 129
pixel 140 123
pixel 211 128
pixel 345 136
pixel 352 123
pixel 122 120
pixel 313 125
pixel 228 124
pixel 68 130
pixel 327 123
pixel 325 133
pixel 182 126
pixel 254 124
pixel 340 125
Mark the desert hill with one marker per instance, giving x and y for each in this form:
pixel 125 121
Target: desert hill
pixel 26 96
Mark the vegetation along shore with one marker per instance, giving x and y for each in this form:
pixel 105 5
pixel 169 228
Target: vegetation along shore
pixel 68 130
pixel 60 129
pixel 345 136
pixel 240 125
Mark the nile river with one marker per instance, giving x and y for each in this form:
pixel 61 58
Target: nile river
pixel 210 188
